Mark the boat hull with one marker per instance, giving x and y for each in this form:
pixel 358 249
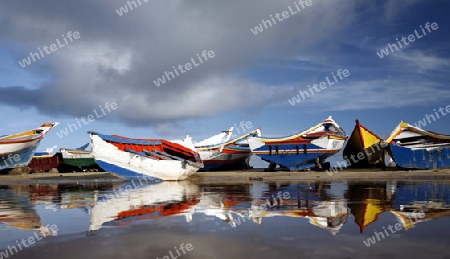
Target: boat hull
pixel 227 159
pixel 421 158
pixel 297 156
pixel 303 150
pixel 133 166
pixel 78 158
pixel 365 142
pixel 17 150
pixel 223 153
pixel 19 158
pixel 44 163
pixel 80 162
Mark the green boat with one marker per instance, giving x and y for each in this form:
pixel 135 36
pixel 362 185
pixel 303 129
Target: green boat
pixel 77 158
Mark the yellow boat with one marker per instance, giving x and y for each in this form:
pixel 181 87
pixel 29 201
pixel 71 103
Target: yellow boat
pixel 363 149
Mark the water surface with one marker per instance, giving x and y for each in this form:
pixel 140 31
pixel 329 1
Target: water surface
pixel 255 220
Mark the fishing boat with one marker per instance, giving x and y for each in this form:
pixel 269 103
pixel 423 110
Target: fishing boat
pixel 415 148
pixel 304 150
pixel 222 152
pixel 45 163
pixel 17 150
pixel 364 145
pixel 152 159
pixel 78 157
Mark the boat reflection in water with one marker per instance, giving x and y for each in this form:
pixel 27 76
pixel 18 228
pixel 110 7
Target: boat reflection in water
pixel 236 204
pixel 420 203
pixel 17 210
pixel 411 203
pixel 328 206
pixel 309 201
pixel 144 202
pixel 369 200
pixel 232 204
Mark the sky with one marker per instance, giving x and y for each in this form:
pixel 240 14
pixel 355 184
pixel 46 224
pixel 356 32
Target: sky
pixel 250 78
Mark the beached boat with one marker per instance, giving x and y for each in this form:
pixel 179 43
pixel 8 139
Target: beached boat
pixel 17 150
pixel 364 147
pixel 412 147
pixel 44 163
pixel 303 150
pixel 78 157
pixel 220 151
pixel 154 159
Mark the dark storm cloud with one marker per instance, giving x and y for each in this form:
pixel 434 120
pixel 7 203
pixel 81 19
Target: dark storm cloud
pixel 117 57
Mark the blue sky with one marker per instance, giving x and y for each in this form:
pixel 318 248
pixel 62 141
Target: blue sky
pixel 251 78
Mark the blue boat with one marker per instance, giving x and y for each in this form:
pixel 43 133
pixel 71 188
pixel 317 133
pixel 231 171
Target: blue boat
pixel 415 148
pixel 304 150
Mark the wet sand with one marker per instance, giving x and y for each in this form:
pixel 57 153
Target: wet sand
pixel 156 241
pixel 59 177
pixel 243 176
pixel 347 174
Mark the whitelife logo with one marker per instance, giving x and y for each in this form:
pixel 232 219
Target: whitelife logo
pixel 411 38
pixel 269 23
pixel 187 66
pixel 49 49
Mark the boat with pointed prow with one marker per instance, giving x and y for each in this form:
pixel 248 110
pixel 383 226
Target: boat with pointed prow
pixel 363 149
pixel 17 150
pixel 150 159
pixel 304 150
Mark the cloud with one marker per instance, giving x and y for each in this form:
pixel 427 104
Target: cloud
pixel 118 57
pixel 421 62
pixel 381 93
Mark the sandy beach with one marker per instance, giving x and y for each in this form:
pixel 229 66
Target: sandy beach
pixel 59 177
pixel 242 176
pixel 343 175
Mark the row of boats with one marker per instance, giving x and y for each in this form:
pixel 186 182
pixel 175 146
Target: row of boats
pixel 161 159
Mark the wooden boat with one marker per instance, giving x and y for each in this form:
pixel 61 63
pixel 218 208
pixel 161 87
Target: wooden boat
pixel 412 147
pixel 363 141
pixel 17 150
pixel 220 152
pixel 78 157
pixel 303 150
pixel 44 163
pixel 152 159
